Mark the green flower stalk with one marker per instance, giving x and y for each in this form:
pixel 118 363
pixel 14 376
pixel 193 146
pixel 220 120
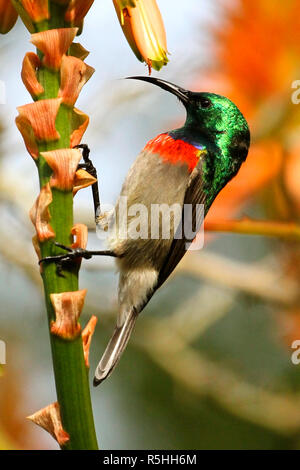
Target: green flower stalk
pixel 51 126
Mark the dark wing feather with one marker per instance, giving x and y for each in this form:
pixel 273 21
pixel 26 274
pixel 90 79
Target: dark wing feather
pixel 194 195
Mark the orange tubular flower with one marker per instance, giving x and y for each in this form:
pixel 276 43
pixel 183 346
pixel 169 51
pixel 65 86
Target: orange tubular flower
pixel 32 12
pixel 143 27
pixel 8 16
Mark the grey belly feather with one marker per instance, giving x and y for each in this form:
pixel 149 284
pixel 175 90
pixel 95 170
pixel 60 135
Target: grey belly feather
pixel 149 181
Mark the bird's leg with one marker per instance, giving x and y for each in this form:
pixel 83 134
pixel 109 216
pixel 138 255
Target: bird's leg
pixel 90 168
pixel 72 254
pixel 101 218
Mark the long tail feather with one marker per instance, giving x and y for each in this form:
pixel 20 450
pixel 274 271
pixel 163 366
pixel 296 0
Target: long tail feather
pixel 115 348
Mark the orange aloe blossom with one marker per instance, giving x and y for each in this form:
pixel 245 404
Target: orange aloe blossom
pixel 143 27
pixel 8 16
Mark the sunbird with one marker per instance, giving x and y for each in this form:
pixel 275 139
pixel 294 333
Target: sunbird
pixel 188 167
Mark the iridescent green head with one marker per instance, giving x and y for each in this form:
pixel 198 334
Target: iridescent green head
pixel 214 116
pixel 211 116
pixel 216 123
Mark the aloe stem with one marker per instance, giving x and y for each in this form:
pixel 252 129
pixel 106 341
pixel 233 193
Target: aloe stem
pixel 71 375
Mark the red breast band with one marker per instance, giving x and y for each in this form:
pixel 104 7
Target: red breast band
pixel 174 151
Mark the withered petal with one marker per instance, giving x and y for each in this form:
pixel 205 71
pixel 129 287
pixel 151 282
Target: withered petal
pixel 36 247
pixel 41 116
pixel 83 179
pixel 67 307
pixel 31 63
pixel 87 334
pixel 79 123
pixel 40 215
pixel 64 163
pixel 49 419
pixel 26 130
pixel 77 50
pixel 54 43
pixel 80 232
pixel 77 10
pixel 74 74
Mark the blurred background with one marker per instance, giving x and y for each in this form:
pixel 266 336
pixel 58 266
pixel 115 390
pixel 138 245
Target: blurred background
pixel 209 365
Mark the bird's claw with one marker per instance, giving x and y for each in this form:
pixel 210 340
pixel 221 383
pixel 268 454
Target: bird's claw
pixel 61 260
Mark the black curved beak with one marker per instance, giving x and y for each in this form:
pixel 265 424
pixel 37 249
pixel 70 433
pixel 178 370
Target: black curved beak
pixel 182 94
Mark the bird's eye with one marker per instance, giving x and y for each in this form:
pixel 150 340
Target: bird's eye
pixel 205 103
